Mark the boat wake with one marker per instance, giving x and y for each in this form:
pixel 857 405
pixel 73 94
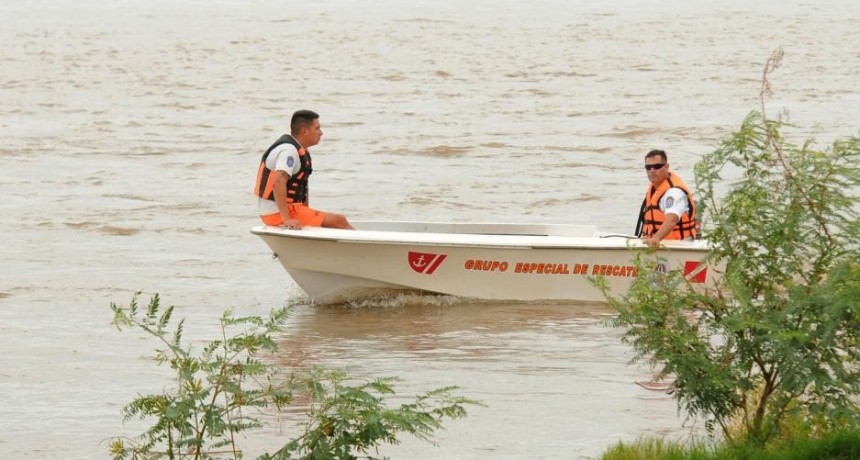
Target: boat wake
pixel 400 299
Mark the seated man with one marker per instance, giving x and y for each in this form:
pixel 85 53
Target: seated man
pixel 282 178
pixel 668 211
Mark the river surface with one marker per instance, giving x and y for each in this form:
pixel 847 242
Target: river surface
pixel 131 132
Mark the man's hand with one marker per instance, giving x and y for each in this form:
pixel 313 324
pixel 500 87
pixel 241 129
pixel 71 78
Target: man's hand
pixel 293 224
pixel 652 242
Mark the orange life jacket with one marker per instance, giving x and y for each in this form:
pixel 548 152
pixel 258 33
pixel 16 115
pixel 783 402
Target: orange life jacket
pixel 651 217
pixel 297 184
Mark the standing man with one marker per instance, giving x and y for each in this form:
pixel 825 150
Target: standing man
pixel 668 211
pixel 282 178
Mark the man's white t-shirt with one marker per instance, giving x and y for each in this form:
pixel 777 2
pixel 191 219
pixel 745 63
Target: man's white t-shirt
pixel 284 157
pixel 674 201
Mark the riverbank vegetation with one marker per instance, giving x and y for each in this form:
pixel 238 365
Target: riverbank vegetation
pixel 769 357
pixel 221 393
pixel 838 445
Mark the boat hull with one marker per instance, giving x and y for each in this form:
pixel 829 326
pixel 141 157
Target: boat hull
pixel 484 261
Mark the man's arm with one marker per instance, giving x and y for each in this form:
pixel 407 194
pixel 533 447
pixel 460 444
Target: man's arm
pixel 673 204
pixel 669 223
pixel 280 192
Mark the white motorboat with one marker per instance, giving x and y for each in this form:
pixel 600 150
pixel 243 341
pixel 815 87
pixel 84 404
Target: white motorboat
pixel 474 260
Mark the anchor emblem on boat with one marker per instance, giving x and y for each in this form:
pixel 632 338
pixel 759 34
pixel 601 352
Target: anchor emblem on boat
pixel 424 262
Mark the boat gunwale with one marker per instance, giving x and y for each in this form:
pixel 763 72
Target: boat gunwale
pixel 502 241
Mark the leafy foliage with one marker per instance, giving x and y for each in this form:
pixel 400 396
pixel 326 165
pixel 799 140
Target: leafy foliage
pixel 217 390
pixel 346 419
pixel 779 336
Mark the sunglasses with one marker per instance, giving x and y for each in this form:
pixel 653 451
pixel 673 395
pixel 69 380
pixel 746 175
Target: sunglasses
pixel 654 166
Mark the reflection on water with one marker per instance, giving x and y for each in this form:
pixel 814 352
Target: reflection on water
pixel 552 375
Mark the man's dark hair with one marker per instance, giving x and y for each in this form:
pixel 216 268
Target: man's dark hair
pixel 657 153
pixel 301 119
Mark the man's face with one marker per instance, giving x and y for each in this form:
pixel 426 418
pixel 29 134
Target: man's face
pixel 656 174
pixel 312 134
